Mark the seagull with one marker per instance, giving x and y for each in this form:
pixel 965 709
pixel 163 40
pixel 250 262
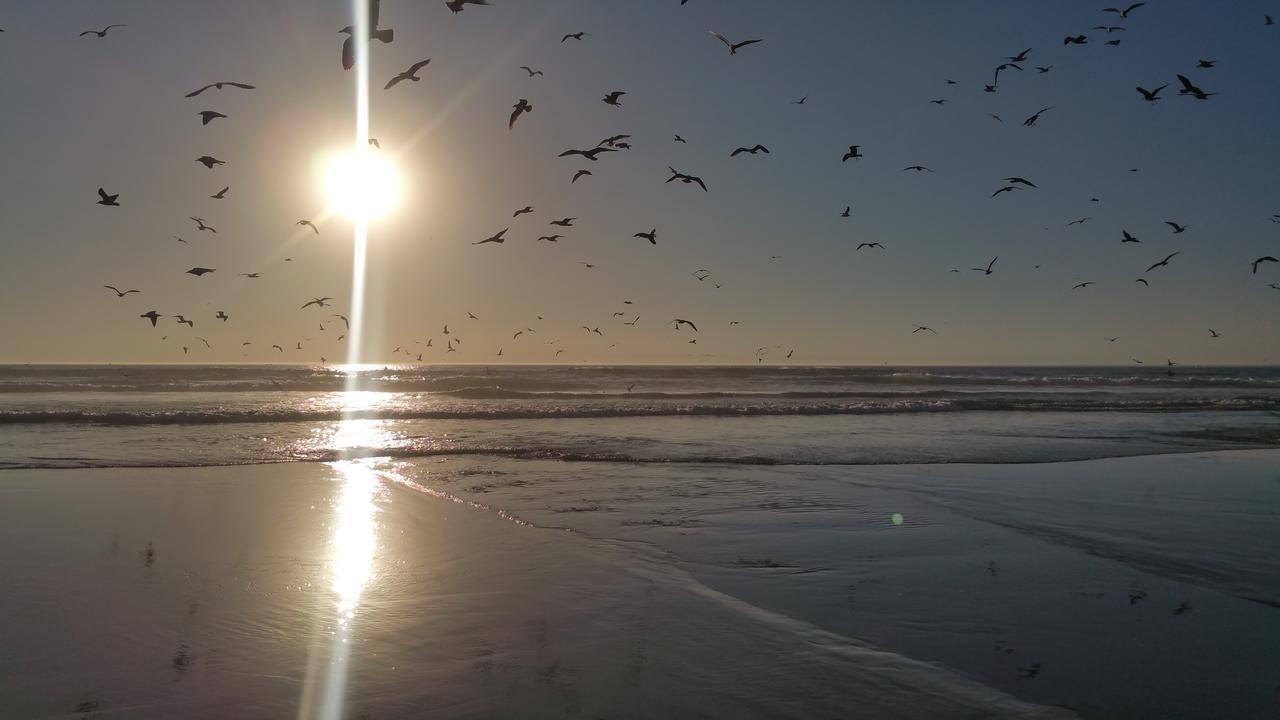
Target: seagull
pixel 496 238
pixel 679 323
pixel 579 174
pixel 1151 96
pixel 278 348
pixel 119 292
pixel 103 32
pixel 575 36
pixel 457 6
pixel 198 271
pixel 847 208
pixel 1112 43
pixel 1020 57
pixel 108 200
pixel 680 140
pixel 853 153
pixel 612 141
pixel 523 210
pixel 1206 64
pixel 633 321
pixel 1190 89
pixel 996 117
pixel 1264 258
pixel 151 315
pixel 221 194
pixel 184 321
pixel 308 223
pixel 916 168
pixel 1214 333
pixel 347 323
pixel 471 316
pixel 348 46
pixel 531 71
pixel 753 150
pixel 209 161
pixel 1083 285
pixel 206 342
pixel 1075 40
pixel 1044 70
pixel 612 98
pixel 1129 238
pixel 222 315
pixel 941 101
pixel 318 302
pixel 686 179
pixel 1112 339
pixel 920 328
pixel 1143 281
pixel 1006 188
pixel 733 47
pixel 987 270
pixel 208 116
pixel 868 245
pixel 550 238
pixel 1162 263
pixel 219 85
pixel 1125 12
pixel 1032 120
pixel 410 74
pixel 651 236
pixel 1177 229
pixel 564 222
pixel 1081 221
pixel 252 275
pixel 801 101
pixel 521 107
pixel 1021 181
pixel 588 154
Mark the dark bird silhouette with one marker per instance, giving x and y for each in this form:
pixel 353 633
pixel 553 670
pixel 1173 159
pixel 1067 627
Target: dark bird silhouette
pixel 209 161
pixel 347 323
pixel 308 223
pixel 1163 262
pixel 1188 88
pixel 457 6
pixel 222 315
pixel 1081 221
pixel 318 302
pixel 564 222
pixel 1029 122
pixel 219 85
pixel 1020 181
pixel 1177 229
pixel 651 236
pixel 1267 21
pixel 613 141
pixel 924 328
pixel 1082 285
pixel 1127 238
pixel 679 323
pixel 1125 12
pixel 551 238
pixel 119 292
pixel 680 140
pixel 522 211
pixel 987 270
pixel 868 245
pixel 1075 40
pixel 579 174
pixel 1263 259
pixel 221 194
pixel 531 71
pixel 385 35
pixel 277 347
pixel 108 200
pixel 1112 339
pixel 1214 333
pixel 410 74
pixel 1151 96
pixel 496 238
pixel 1109 28
pixel 575 36
pixel 733 47
pixel 916 168
pixel 753 150
pixel 853 153
pixel 151 315
pixel 1112 43
pixel 939 101
pixel 1006 188
pixel 1206 64
pixel 847 208
pixel 686 179
pixel 801 101
pixel 1143 281
pixel 588 154
pixel 612 98
pixel 198 271
pixel 521 107
pixel 183 321
pixel 208 116
pixel 103 32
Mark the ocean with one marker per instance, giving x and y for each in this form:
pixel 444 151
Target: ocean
pixel 759 541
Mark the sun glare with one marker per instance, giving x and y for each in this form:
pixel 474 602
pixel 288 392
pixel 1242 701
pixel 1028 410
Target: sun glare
pixel 361 185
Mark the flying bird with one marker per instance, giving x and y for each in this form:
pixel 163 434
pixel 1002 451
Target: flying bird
pixel 119 292
pixel 1125 12
pixel 575 36
pixel 108 200
pixel 916 168
pixel 523 210
pixel 579 174
pixel 1044 70
pixel 495 238
pixel 753 150
pixel 1214 333
pixel 563 222
pixel 679 323
pixel 686 179
pixel 1127 238
pixel 588 154
pixel 924 328
pixel 651 236
pixel 308 223
pixel 1075 40
pixel 680 140
pixel 1029 122
pixel 1006 188
pixel 987 270
pixel 183 321
pixel 209 161
pixel 385 35
pixel 847 208
pixel 1020 181
pixel 208 116
pixel 613 141
pixel 531 71
pixel 1162 263
pixel 199 271
pixel 457 6
pixel 1206 64
pixel 221 194
pixel 1177 229
pixel 1143 281
pixel 222 315
pixel 551 238
pixel 853 153
pixel 252 275
pixel 318 302
pixel 521 107
pixel 151 315
pixel 733 47
pixel 103 32
pixel 219 85
pixel 410 74
pixel 1083 285
pixel 1263 259
pixel 612 98
pixel 1188 88
pixel 868 245
pixel 1151 96
pixel 801 101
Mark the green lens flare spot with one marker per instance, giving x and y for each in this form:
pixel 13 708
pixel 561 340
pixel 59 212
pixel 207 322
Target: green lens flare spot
pixel 896 518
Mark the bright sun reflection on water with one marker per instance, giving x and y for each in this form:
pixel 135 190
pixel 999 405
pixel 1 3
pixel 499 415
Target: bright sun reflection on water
pixel 354 535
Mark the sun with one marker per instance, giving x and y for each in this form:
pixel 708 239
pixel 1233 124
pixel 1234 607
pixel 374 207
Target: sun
pixel 361 185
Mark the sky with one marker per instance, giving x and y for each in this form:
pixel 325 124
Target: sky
pixel 84 112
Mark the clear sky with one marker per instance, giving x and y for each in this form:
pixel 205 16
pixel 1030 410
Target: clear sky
pixel 83 112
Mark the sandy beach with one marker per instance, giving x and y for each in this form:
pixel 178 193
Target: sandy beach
pixel 383 588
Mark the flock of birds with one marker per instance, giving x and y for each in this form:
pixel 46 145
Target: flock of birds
pixel 619 143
